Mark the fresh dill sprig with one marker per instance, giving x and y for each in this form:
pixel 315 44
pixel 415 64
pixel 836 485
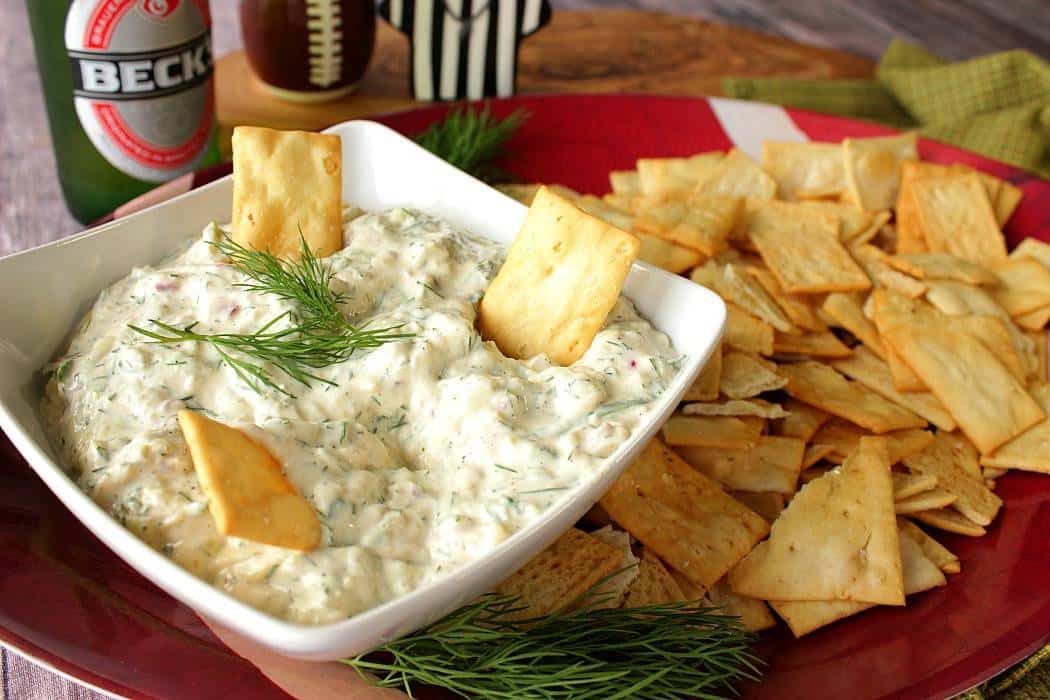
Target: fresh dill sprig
pixel 483 650
pixel 314 335
pixel 472 139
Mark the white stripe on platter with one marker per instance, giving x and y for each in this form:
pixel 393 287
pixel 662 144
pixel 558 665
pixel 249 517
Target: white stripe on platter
pixel 421 38
pixel 479 36
pixel 748 124
pixel 450 48
pixel 506 45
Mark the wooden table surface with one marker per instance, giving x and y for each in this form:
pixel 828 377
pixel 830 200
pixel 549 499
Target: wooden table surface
pixel 691 59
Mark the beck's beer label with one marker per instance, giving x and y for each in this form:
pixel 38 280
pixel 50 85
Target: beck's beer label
pixel 142 82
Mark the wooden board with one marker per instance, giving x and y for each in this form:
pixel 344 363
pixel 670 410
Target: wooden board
pixel 580 51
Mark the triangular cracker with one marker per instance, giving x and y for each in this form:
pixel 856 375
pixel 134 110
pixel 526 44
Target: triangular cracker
pixel 248 493
pixel 836 540
pixel 745 376
pixel 920 573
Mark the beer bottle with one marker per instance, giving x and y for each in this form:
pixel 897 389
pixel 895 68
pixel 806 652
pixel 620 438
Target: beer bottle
pixel 128 87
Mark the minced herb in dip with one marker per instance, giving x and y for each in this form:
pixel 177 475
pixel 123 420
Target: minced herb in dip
pixel 423 456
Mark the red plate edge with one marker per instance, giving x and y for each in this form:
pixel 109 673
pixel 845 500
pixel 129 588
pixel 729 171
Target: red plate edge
pixel 148 616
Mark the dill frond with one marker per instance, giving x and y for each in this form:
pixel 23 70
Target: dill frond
pixel 316 335
pixel 472 139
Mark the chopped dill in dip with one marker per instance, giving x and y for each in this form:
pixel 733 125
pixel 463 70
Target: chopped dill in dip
pixel 420 456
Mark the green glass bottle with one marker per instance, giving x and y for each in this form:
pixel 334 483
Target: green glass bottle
pixel 129 93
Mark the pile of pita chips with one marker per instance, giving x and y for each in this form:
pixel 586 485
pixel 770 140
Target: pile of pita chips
pixel 870 300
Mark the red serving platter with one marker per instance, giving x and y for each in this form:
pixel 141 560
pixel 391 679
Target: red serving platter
pixel 69 603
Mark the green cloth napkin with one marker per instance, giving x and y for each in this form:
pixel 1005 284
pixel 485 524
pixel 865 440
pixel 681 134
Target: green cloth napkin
pixel 997 105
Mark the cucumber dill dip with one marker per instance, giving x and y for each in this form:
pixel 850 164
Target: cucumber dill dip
pixel 420 446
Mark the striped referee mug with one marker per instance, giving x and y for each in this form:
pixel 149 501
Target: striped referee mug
pixel 464 49
pixel 309 50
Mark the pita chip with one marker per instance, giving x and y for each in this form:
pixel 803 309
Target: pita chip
pixel 654 584
pixel 753 614
pixel 682 516
pixel 927 500
pixel 1030 450
pixel 1034 249
pixel 735 407
pixel 744 291
pixel 941 460
pixel 942 266
pixel 920 573
pixel 1024 286
pixel 956 218
pixel 287 188
pixel 248 494
pixel 848 311
pixel 836 540
pixel 663 176
pixel 745 332
pixel 805 255
pixel 625 182
pixel 950 520
pixel 612 592
pixel 873 166
pixel 738 176
pixel 573 265
pixel 802 421
pixel 733 432
pixel 824 344
pixel 745 376
pixel 562 574
pixel 821 386
pixel 701 223
pixel 797 308
pixel 804 169
pixel 815 453
pixel 705 387
pixel 766 503
pixel 985 399
pixel 666 255
pixel 934 550
pixel 773 464
pixel 908 485
pixel 863 366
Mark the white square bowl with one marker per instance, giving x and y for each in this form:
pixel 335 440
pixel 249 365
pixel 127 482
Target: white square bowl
pixel 46 290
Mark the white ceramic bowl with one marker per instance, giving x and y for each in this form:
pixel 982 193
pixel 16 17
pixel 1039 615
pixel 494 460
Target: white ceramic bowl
pixel 47 289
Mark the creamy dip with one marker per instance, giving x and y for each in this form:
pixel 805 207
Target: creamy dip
pixel 424 455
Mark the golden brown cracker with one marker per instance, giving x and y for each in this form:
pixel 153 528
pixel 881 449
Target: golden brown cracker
pixel 248 494
pixel 572 265
pixel 287 188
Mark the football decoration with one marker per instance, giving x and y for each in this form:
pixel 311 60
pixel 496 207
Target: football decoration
pixel 309 50
pixel 464 49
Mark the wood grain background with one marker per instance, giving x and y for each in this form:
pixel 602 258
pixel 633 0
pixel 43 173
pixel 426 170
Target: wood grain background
pixel 31 208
